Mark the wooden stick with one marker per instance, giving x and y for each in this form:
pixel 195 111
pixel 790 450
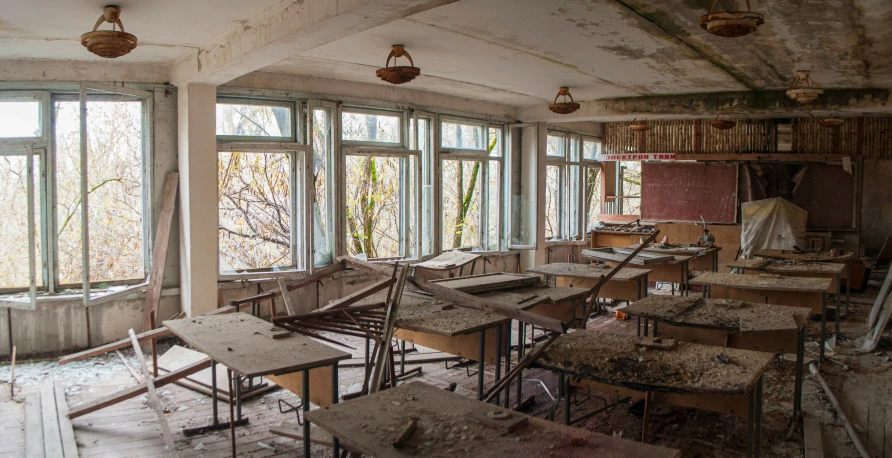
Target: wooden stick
pixel 384 350
pixel 153 334
pixel 153 396
pixel 159 251
pixel 12 375
pixel 505 381
pixel 134 391
pixel 127 365
pixel 406 434
pixel 357 296
pixel 842 416
pixel 287 300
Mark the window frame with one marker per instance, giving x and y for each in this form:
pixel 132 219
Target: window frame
pixel 291 105
pixel 570 199
pixel 485 158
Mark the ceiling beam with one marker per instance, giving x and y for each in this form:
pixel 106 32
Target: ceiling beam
pixel 285 30
pixel 744 104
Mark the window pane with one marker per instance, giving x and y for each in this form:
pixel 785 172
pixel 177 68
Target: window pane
pixel 495 142
pixel 631 182
pixel 253 120
pixel 427 187
pixel 366 127
pixel 555 146
pixel 462 136
pixel 373 209
pixel 590 149
pixel 114 180
pixel 462 181
pixel 254 191
pixel 323 252
pixel 552 199
pixel 19 119
pixel 492 211
pixel 14 269
pixel 592 197
pixel 573 190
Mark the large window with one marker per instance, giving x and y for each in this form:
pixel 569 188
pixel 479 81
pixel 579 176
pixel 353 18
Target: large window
pixel 107 177
pixel 471 179
pixel 630 187
pixel 572 185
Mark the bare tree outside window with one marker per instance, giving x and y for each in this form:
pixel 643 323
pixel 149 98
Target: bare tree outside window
pixel 631 184
pixel 14 223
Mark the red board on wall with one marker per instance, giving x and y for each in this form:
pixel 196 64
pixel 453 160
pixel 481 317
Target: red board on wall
pixel 684 192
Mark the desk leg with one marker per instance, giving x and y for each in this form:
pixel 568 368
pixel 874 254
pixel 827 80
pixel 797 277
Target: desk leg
pixel 654 333
pixel 521 341
pixel 638 325
pixel 402 357
pixel 238 398
pixel 231 411
pixel 848 284
pixel 758 439
pixel 750 421
pixel 480 365
pixel 565 382
pixel 823 328
pixel 800 362
pixel 368 356
pixel 498 360
pixel 507 361
pixel 214 391
pixel 305 406
pixel 838 312
pixel 336 444
pixel 646 326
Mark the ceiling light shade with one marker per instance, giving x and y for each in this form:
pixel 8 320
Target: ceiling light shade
pixel 564 107
pixel 831 123
pixel 109 43
pixel 639 126
pixel 802 90
pixel 398 75
pixel 731 24
pixel 723 124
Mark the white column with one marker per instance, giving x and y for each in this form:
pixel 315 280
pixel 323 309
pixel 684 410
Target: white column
pixel 533 151
pixel 198 197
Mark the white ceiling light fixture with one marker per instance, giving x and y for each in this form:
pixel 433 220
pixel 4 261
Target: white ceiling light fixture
pixel 731 24
pixel 109 43
pixel 803 89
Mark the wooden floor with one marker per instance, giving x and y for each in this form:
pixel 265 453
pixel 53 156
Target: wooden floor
pixel 867 401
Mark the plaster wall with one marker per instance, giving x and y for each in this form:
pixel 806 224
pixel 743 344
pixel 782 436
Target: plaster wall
pixel 876 204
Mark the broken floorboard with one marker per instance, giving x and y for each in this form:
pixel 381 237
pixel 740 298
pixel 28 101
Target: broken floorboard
pixel 48 430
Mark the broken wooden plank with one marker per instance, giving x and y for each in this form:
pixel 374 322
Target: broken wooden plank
pixel 69 445
pixel 52 435
pixel 118 294
pixel 33 426
pixel 505 381
pixel 475 284
pixel 382 356
pixel 285 297
pixel 159 250
pixel 127 365
pixel 153 396
pixel 814 443
pixel 317 275
pixel 318 436
pixel 125 343
pixel 134 391
pixel 357 296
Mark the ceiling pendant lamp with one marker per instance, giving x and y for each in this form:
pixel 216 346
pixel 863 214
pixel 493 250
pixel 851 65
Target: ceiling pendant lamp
pixel 723 124
pixel 802 90
pixel 639 126
pixel 109 43
pixel 731 24
pixel 395 74
pixel 564 107
pixel 831 123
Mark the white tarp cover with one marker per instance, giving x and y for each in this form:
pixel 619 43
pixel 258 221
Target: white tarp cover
pixel 771 224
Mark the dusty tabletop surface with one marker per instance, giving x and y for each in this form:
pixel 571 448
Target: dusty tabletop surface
pixel 424 313
pixel 729 314
pixel 765 281
pixel 592 271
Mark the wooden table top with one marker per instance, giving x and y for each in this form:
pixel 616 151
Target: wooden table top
pixel 726 314
pixel 684 250
pixel 531 296
pixel 809 256
pixel 243 343
pixel 643 258
pixel 423 313
pixel 587 271
pixel 763 282
pixel 685 368
pixel 473 284
pixel 448 260
pixel 448 427
pixel 786 266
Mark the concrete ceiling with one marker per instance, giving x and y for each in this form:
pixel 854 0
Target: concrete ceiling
pixel 167 29
pixel 514 52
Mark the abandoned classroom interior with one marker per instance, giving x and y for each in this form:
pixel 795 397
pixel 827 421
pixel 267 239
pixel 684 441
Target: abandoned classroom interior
pixel 395 228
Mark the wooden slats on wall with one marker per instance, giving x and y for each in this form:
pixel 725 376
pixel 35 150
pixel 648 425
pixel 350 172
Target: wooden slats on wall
pixel 867 136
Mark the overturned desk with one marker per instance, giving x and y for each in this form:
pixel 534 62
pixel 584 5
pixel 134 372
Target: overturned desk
pixel 450 425
pixel 705 258
pixel 251 347
pixel 771 289
pixel 723 380
pixel 446 265
pixel 729 323
pixel 665 268
pixel 629 284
